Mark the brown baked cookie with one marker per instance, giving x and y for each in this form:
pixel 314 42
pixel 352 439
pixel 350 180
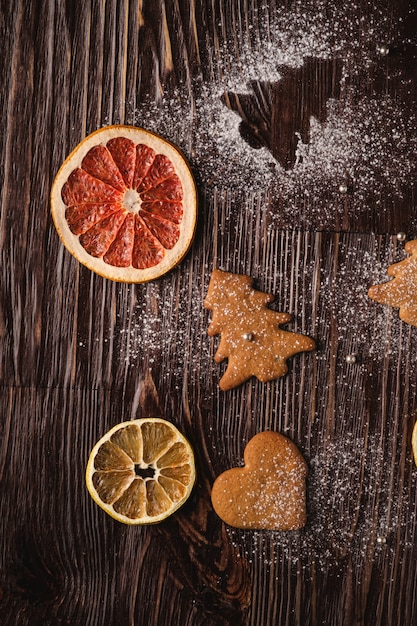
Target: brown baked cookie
pixel 402 290
pixel 251 339
pixel 269 492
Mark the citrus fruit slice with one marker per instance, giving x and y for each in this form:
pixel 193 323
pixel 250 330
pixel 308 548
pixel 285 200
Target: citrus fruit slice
pixel 414 442
pixel 141 471
pixel 124 204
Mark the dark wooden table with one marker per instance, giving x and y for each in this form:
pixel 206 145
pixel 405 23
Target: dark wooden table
pixel 299 121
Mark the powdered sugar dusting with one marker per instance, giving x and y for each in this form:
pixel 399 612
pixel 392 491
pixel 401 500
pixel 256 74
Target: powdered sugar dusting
pixel 367 143
pixel 160 326
pixel 307 28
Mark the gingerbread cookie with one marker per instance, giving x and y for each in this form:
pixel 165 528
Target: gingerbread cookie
pixel 269 492
pixel 251 339
pixel 402 290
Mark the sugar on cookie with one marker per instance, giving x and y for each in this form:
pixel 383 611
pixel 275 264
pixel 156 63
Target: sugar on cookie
pixel 269 492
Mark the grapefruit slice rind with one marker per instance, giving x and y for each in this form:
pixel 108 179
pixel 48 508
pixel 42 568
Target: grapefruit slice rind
pixel 98 190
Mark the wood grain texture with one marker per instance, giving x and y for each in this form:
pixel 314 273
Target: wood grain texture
pixel 79 354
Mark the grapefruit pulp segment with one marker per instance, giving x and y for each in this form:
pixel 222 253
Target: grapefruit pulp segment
pixel 98 162
pixel 82 188
pixel 169 189
pixel 160 169
pixel 97 240
pixel 82 217
pixel 147 250
pixel 120 250
pixel 123 152
pixel 144 159
pixel 165 231
pixel 167 210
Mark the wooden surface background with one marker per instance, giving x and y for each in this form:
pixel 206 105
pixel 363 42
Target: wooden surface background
pixel 231 82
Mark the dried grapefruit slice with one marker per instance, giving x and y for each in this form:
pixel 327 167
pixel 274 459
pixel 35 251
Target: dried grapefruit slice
pixel 124 204
pixel 141 471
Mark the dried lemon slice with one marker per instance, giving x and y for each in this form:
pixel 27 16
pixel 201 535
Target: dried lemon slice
pixel 414 442
pixel 141 471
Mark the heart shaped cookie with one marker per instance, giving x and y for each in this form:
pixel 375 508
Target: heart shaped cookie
pixel 269 492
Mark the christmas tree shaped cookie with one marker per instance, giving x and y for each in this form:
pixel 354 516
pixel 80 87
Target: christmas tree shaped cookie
pixel 401 291
pixel 251 337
